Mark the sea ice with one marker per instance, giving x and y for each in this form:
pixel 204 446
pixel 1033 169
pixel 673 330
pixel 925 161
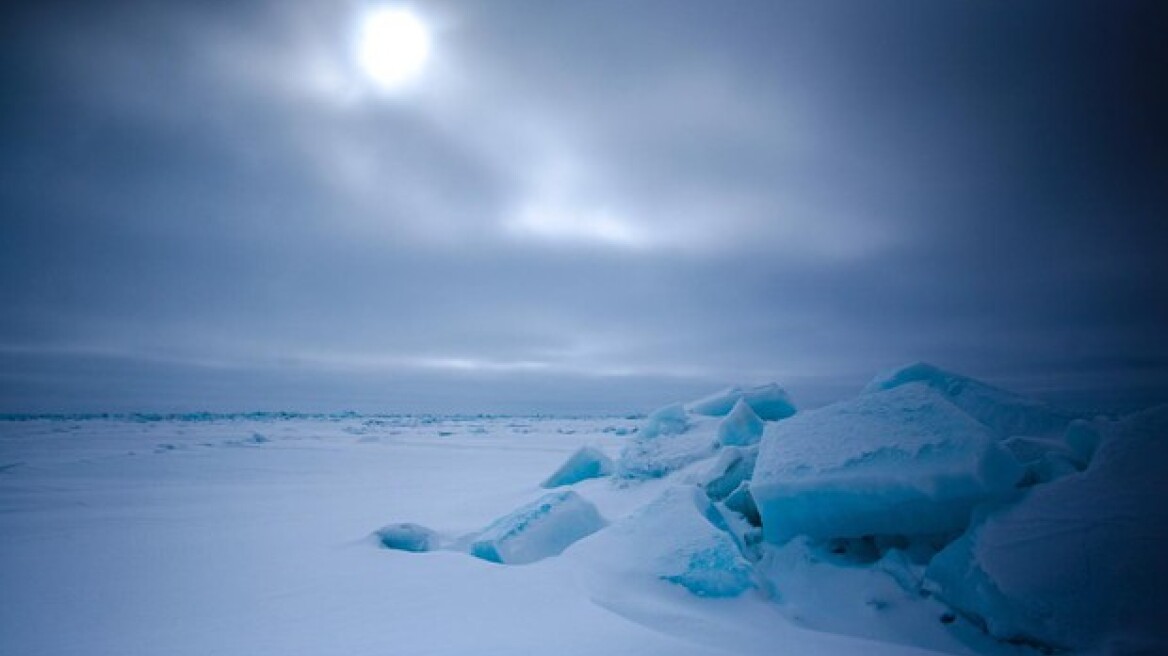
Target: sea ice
pixel 653 454
pixel 903 461
pixel 587 462
pixel 669 420
pixel 680 538
pixel 538 530
pixel 742 427
pixel 733 466
pixel 770 402
pixel 1077 563
pixel 1005 412
pixel 407 537
pixel 1044 458
pixel 741 501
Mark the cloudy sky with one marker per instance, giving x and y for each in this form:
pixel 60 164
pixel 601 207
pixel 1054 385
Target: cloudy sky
pixel 577 206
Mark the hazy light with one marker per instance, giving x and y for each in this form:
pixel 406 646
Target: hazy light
pixel 392 46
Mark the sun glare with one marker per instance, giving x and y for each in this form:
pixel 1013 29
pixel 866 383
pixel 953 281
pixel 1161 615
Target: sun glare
pixel 392 46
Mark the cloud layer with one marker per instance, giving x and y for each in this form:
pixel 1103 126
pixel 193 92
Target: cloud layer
pixel 580 206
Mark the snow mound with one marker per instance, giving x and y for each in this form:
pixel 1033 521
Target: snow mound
pixel 742 427
pixel 538 530
pixel 1078 563
pixel 679 538
pixel 655 454
pixel 903 461
pixel 770 402
pixel 407 537
pixel 1005 412
pixel 587 462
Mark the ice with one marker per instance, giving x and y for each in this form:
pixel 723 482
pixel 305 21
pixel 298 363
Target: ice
pixel 1045 459
pixel 1078 563
pixel 538 530
pixel 733 466
pixel 903 461
pixel 407 537
pixel 653 454
pixel 587 462
pixel 881 600
pixel 1005 412
pixel 679 538
pixel 742 427
pixel 669 420
pixel 770 402
pixel 1082 437
pixel 741 501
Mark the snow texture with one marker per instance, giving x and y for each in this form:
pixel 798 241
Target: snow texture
pixel 903 461
pixel 407 537
pixel 1005 412
pixel 742 427
pixel 679 538
pixel 1078 563
pixel 770 402
pixel 538 530
pixel 587 462
pixel 653 454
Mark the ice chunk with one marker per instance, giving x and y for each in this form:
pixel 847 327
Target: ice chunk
pixel 407 537
pixel 742 427
pixel 538 530
pixel 654 456
pixel 741 501
pixel 672 539
pixel 1005 412
pixel 587 462
pixel 733 466
pixel 1078 563
pixel 770 402
pixel 1044 458
pixel 1082 437
pixel 903 461
pixel 669 420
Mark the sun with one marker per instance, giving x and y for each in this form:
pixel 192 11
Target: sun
pixel 392 46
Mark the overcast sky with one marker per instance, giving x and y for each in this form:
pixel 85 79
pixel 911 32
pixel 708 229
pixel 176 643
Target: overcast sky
pixel 577 206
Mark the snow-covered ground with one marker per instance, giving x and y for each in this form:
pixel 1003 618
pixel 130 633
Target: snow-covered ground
pixel 245 536
pixel 930 514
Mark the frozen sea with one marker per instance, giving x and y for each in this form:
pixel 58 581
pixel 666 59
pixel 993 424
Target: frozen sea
pixel 250 535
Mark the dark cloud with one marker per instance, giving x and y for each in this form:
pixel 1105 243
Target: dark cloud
pixel 582 206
